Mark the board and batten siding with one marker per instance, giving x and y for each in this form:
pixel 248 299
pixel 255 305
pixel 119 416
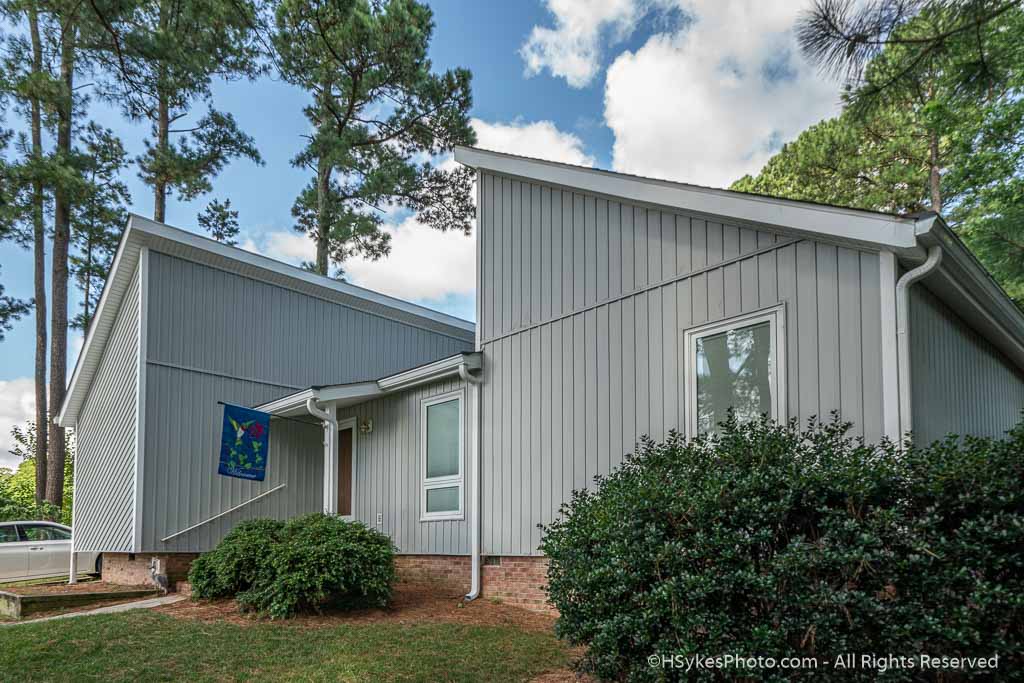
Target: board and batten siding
pixel 106 439
pixel 585 301
pixel 960 383
pixel 218 336
pixel 388 475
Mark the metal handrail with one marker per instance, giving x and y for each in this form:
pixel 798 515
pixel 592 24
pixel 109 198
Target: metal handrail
pixel 219 515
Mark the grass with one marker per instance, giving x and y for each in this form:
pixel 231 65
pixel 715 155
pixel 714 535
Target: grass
pixel 144 645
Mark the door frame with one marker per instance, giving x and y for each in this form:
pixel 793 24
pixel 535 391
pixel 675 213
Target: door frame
pixel 349 423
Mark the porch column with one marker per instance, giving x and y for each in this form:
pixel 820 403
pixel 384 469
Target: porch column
pixel 331 460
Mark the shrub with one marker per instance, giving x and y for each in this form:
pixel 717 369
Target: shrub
pixel 237 561
pixel 309 563
pixel 773 541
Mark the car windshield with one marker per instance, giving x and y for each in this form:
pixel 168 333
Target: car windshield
pixel 8 534
pixel 44 532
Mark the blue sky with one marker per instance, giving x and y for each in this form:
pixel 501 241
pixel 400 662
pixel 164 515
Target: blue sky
pixel 700 91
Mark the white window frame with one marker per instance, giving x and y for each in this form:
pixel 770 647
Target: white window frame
pixel 775 316
pixel 449 481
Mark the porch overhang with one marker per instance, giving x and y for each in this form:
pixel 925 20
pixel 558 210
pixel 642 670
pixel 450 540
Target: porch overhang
pixel 342 395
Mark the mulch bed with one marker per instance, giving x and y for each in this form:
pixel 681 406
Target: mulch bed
pixel 410 604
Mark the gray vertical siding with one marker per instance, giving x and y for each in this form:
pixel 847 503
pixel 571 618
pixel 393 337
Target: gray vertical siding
pixel 960 383
pixel 216 336
pixel 105 464
pixel 387 474
pixel 595 360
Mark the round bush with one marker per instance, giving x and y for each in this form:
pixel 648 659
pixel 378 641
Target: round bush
pixel 234 565
pixel 773 541
pixel 312 562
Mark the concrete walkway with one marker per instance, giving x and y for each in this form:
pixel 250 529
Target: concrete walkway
pixel 109 609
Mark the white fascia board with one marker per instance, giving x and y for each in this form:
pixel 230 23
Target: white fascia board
pixel 350 392
pixel 289 405
pixel 430 372
pixel 258 261
pixel 121 270
pixel 875 230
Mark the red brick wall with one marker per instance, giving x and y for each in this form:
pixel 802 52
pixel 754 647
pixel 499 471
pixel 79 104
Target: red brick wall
pixel 448 572
pixel 520 581
pixel 133 570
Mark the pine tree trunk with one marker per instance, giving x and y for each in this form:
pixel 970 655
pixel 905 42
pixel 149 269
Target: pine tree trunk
pixel 323 188
pixel 86 315
pixel 323 183
pixel 39 256
pixel 935 179
pixel 163 127
pixel 59 270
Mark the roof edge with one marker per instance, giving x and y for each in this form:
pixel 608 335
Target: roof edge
pixel 854 226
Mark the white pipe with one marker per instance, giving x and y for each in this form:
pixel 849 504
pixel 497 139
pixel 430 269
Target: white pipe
pixel 330 421
pixel 902 336
pixel 474 511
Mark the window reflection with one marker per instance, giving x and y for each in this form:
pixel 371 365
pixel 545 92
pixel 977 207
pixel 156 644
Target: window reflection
pixel 734 370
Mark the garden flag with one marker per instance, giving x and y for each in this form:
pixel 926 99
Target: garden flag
pixel 243 444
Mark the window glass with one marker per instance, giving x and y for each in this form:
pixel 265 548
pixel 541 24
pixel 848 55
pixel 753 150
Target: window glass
pixel 443 440
pixel 8 534
pixel 733 370
pixel 42 532
pixel 443 499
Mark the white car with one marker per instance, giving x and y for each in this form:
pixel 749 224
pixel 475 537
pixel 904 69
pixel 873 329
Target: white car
pixel 30 550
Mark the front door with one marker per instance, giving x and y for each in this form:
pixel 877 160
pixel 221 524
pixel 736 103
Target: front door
pixel 345 438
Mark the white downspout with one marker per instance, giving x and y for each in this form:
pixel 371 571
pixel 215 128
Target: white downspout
pixel 474 511
pixel 902 337
pixel 330 420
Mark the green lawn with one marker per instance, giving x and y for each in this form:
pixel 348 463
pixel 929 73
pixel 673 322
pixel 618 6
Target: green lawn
pixel 143 645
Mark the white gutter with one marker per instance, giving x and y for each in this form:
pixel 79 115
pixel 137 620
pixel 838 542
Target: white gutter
pixel 902 338
pixel 330 421
pixel 474 511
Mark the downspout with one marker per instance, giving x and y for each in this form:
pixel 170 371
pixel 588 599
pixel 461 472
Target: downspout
pixel 474 511
pixel 902 337
pixel 330 421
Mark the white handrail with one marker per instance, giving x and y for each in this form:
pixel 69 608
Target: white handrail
pixel 226 512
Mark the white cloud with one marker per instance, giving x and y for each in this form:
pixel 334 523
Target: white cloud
pixel 424 264
pixel 17 405
pixel 712 101
pixel 283 245
pixel 572 49
pixel 539 139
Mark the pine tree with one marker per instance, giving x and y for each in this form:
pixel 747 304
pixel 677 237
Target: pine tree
pixel 221 221
pixel 100 216
pixel 162 58
pixel 380 116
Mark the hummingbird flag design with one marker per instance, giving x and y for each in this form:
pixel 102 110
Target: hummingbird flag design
pixel 244 443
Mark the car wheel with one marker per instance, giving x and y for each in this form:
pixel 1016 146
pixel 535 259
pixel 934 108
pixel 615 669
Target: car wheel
pixel 99 565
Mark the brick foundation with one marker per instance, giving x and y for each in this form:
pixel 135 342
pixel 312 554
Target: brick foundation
pixel 519 581
pixel 447 572
pixel 133 570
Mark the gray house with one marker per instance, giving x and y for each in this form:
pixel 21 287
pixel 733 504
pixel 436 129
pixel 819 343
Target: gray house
pixel 608 307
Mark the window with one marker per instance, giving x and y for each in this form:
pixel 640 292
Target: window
pixel 441 442
pixel 9 534
pixel 44 532
pixel 738 363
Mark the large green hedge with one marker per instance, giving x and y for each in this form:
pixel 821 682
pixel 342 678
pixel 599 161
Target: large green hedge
pixel 311 562
pixel 777 542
